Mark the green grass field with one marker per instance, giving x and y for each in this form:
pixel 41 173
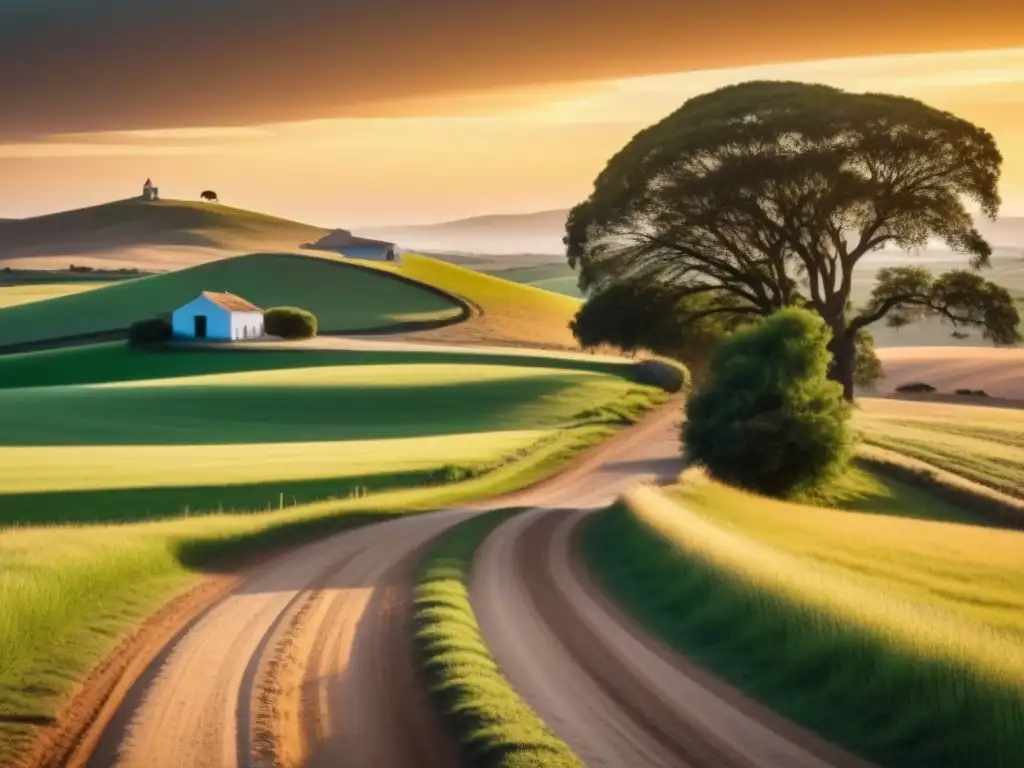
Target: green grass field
pixel 70 592
pixel 344 297
pixel 557 278
pixel 493 725
pixel 984 445
pixel 250 440
pixel 899 637
pixel 512 312
pixel 114 361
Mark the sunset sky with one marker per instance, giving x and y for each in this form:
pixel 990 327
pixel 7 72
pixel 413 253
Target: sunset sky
pixel 348 114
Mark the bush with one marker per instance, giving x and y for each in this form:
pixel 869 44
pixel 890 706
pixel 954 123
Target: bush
pixel 153 330
pixel 916 387
pixel 972 392
pixel 669 375
pixel 768 418
pixel 289 323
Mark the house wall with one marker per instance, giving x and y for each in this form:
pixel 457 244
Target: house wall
pixel 246 325
pixel 218 320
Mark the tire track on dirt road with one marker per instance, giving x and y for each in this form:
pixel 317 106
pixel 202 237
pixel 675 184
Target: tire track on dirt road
pixel 617 696
pixel 309 662
pixel 193 708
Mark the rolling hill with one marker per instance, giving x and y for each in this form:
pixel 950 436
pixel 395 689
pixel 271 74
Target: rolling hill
pixel 343 296
pixel 145 235
pixel 507 312
pixel 134 449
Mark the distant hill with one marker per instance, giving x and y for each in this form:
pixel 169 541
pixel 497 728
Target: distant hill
pixel 535 233
pixel 541 233
pixel 145 235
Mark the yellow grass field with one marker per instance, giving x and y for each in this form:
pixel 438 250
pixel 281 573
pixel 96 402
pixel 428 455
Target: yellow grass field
pixel 15 295
pixel 984 445
pixel 513 313
pixel 901 639
pixel 972 571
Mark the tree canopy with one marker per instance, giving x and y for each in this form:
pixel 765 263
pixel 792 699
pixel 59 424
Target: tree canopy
pixel 765 195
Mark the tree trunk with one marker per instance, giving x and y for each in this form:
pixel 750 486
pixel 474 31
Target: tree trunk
pixel 844 353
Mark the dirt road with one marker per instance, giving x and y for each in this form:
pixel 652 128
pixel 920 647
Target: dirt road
pixel 616 696
pixel 309 661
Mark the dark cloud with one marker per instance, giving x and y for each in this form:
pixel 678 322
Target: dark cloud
pixel 87 65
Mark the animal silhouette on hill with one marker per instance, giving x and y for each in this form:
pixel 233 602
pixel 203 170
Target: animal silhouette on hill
pixel 210 196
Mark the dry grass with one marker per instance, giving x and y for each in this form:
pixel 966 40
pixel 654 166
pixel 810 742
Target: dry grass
pixel 143 235
pixel 512 313
pixel 16 295
pixel 984 445
pixel 997 371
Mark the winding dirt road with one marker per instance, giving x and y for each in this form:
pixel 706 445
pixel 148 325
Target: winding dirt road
pixel 309 661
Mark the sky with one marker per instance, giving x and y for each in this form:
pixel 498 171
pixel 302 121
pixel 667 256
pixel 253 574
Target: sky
pixel 344 113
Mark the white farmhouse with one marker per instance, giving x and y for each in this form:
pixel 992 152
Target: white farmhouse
pixel 217 316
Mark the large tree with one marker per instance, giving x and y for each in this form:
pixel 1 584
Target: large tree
pixel 770 194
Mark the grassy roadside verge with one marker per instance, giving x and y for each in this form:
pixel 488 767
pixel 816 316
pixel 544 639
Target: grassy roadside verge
pixel 494 727
pixel 70 593
pixel 900 682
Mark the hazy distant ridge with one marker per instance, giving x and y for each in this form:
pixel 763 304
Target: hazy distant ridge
pixel 539 232
pixel 542 232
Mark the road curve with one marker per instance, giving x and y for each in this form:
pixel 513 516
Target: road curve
pixel 198 705
pixel 309 661
pixel 610 691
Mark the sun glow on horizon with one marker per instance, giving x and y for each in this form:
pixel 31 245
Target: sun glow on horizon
pixel 465 154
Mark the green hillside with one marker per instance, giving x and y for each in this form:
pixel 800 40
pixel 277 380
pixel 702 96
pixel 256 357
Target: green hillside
pixel 343 296
pixel 116 361
pixel 557 278
pixel 249 440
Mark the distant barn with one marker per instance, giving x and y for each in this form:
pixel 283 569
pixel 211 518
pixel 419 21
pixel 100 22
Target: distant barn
pixel 219 317
pixel 343 242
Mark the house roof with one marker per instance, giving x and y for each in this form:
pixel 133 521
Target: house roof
pixel 231 302
pixel 342 238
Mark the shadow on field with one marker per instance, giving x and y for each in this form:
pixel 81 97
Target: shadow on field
pixel 117 362
pixel 225 555
pixel 106 505
pixel 288 412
